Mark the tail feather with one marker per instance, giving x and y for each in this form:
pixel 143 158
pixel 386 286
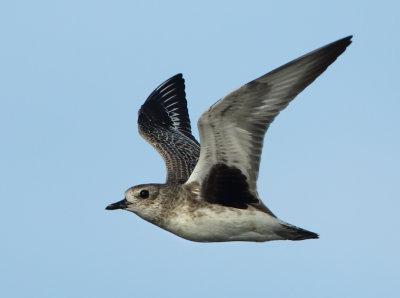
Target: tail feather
pixel 290 232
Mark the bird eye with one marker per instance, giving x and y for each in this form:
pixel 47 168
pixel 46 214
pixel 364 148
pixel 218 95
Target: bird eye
pixel 144 194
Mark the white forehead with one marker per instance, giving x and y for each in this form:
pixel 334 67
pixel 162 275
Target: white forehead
pixel 134 191
pixel 129 192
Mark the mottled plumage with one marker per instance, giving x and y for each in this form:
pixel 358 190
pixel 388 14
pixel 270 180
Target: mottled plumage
pixel 211 190
pixel 163 121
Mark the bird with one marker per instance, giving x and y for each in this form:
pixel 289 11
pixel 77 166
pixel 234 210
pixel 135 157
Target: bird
pixel 210 193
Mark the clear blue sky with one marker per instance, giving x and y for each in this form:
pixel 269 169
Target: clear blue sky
pixel 73 75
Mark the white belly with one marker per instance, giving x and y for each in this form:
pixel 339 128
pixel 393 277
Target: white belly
pixel 224 224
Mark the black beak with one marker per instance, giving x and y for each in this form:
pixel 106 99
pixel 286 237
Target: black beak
pixel 118 205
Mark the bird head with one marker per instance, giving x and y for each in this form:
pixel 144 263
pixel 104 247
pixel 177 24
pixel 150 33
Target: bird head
pixel 144 200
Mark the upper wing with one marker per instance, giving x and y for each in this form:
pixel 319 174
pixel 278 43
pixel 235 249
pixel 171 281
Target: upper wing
pixel 164 123
pixel 233 129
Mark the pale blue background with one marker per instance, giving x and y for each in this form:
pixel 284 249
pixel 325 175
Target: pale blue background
pixel 73 75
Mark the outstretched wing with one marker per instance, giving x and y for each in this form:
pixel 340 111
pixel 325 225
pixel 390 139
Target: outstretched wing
pixel 233 129
pixel 164 122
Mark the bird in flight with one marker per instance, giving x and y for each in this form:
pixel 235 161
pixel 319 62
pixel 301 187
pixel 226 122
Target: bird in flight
pixel 210 194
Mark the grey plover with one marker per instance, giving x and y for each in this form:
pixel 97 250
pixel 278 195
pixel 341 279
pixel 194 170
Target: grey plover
pixel 210 193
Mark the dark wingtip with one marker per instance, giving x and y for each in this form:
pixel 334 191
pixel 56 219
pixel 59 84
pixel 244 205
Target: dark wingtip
pixel 346 39
pixel 337 47
pixel 342 43
pixel 166 107
pixel 349 37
